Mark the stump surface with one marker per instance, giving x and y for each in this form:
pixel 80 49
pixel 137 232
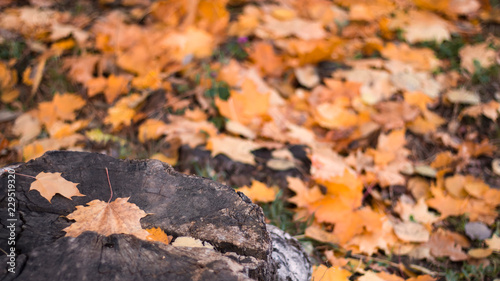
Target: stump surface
pixel 179 204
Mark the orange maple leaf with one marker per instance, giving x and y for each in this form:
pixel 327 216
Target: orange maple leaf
pixel 304 196
pixel 243 106
pixel 335 273
pixel 105 218
pixel 48 184
pixel 265 59
pixel 259 192
pixel 156 234
pixel 62 107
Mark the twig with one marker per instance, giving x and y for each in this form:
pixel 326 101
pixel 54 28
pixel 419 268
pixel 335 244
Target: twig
pixel 109 182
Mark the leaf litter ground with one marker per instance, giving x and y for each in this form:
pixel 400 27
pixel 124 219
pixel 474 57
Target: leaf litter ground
pixel 373 124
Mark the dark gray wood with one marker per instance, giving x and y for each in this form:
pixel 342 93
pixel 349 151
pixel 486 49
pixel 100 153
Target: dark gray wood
pixel 179 204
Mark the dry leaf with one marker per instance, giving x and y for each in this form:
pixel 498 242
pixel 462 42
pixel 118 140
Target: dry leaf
pixel 185 241
pixel 494 243
pixel 463 96
pixel 335 273
pixel 480 253
pixel 307 76
pixel 27 126
pixel 411 232
pixel 234 148
pixel 48 184
pixel 481 53
pixel 259 192
pixel 105 218
pixel 156 234
pixel 445 244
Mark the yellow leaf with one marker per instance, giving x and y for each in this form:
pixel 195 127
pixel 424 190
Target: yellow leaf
pixel 494 243
pixel 162 157
pixel 480 253
pixel 234 148
pixel 186 241
pixel 259 192
pixel 48 184
pixel 123 112
pixel 63 45
pixel 336 273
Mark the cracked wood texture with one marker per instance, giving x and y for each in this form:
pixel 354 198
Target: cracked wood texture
pixel 179 204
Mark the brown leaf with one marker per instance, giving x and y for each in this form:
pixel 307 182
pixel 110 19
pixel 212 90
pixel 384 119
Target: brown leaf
pixel 444 244
pixel 105 218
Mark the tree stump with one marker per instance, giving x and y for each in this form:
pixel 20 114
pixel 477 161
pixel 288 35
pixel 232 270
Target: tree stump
pixel 179 204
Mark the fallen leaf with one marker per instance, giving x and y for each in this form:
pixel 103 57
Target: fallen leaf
pixel 443 244
pixel 317 233
pixel 156 234
pixel 409 211
pixel 304 196
pixel 422 278
pixel 480 53
pixel 307 76
pixel 27 126
pixel 336 273
pixel 480 253
pixel 162 157
pixel 419 26
pixel 262 54
pixel 185 241
pixel 105 218
pixel 462 96
pixel 48 184
pixel 494 243
pixel 116 86
pixel 411 232
pixel 495 166
pixel 245 105
pixel 151 129
pixel 259 192
pixel 123 111
pixel 234 148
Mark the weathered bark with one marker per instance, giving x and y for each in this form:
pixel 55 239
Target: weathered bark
pixel 180 205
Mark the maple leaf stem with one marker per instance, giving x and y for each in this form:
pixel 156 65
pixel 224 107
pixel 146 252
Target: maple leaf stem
pixel 109 182
pixel 25 175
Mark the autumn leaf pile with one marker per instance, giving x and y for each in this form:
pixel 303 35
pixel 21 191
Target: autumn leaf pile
pixel 385 89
